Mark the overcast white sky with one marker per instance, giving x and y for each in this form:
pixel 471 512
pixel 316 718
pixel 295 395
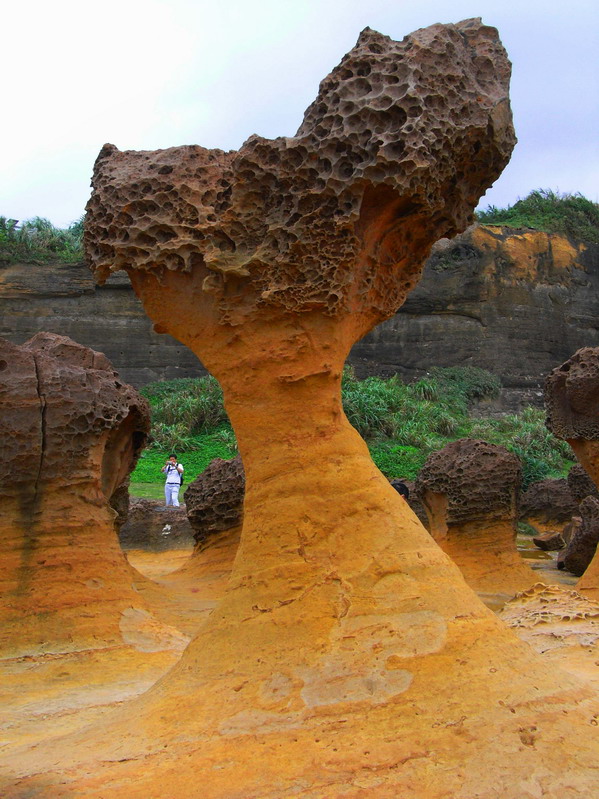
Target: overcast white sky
pixel 146 74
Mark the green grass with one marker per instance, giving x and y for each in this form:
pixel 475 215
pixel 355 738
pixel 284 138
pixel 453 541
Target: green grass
pixel 37 240
pixel 147 490
pixel 200 451
pixel 401 423
pixel 569 214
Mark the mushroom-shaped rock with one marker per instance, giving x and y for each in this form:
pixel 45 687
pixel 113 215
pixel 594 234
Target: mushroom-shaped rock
pixel 346 642
pixel 71 433
pixel 547 505
pixel 580 483
pixel 469 490
pixel 572 406
pixel 214 500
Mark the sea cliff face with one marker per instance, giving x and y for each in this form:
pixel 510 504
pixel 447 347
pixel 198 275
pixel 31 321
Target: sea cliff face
pixel 515 302
pixel 63 298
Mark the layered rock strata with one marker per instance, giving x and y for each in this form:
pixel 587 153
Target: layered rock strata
pixel 347 643
pixel 71 433
pixel 513 301
pixel 469 490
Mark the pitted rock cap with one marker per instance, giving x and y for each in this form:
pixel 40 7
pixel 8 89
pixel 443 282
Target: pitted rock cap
pixel 394 153
pixel 480 480
pixel 572 397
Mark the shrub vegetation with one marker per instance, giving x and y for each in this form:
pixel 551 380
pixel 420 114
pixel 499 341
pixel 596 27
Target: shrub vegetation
pixel 401 423
pixel 37 240
pixel 543 209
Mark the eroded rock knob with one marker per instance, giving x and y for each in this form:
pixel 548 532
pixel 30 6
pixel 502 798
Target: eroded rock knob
pixel 476 480
pixel 580 484
pixel 215 499
pixel 548 504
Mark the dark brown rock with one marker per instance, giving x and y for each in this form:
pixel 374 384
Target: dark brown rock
pixel 582 547
pixel 572 397
pixel 548 502
pixel 215 499
pixel 152 526
pixel 479 480
pixel 549 542
pixel 581 484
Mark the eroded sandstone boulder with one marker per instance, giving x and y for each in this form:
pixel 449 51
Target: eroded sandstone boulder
pixel 572 406
pixel 346 642
pixel 583 544
pixel 547 505
pixel 469 490
pixel 214 500
pixel 152 527
pixel 71 433
pixel 580 484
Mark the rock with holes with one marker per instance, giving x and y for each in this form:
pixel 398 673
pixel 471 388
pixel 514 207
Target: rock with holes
pixel 583 544
pixel 469 490
pixel 572 406
pixel 580 484
pixel 547 505
pixel 390 156
pixel 215 499
pixel 71 433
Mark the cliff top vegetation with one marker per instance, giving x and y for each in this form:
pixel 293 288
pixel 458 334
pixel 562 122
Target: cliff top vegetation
pixel 571 215
pixel 37 240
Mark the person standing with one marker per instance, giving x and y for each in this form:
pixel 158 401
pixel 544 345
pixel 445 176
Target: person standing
pixel 173 472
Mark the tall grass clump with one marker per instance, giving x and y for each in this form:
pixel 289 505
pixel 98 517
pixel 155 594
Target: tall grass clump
pixel 37 240
pixel 569 214
pixel 542 454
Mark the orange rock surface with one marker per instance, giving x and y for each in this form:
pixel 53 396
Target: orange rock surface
pixel 469 490
pixel 347 658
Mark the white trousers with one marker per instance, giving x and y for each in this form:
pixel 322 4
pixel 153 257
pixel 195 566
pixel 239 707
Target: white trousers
pixel 171 493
